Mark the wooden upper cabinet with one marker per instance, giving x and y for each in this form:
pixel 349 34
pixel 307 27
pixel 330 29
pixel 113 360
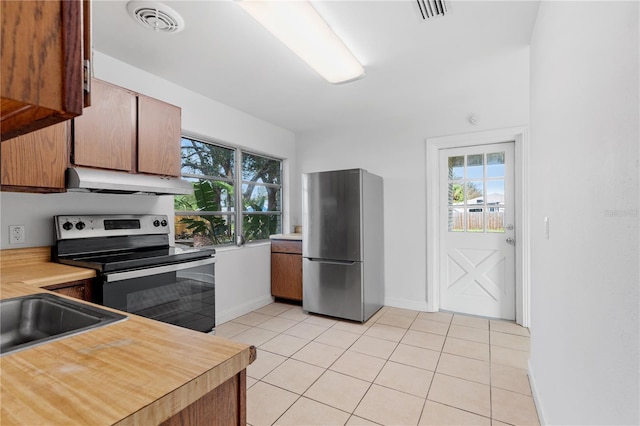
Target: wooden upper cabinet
pixel 159 130
pixel 105 134
pixel 41 63
pixel 121 130
pixel 36 161
pixel 126 131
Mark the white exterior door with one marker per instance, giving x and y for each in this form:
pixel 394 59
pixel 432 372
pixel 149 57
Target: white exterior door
pixel 476 221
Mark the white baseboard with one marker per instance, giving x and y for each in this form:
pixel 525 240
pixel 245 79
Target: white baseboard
pixel 259 302
pixel 534 392
pixel 407 304
pixel 245 308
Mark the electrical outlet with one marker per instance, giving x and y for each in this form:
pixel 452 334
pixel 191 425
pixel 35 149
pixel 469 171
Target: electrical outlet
pixel 17 234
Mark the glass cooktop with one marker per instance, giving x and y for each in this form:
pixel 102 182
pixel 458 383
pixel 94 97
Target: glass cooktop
pixel 134 259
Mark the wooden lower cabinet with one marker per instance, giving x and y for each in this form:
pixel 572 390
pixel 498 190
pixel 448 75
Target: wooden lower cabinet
pixel 286 269
pixel 225 405
pixel 78 289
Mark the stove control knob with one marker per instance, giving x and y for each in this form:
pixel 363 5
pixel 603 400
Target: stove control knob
pixel 67 226
pixel 80 226
pixel 156 223
pixel 163 223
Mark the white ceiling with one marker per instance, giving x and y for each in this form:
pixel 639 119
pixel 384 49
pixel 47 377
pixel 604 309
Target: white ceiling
pixel 412 65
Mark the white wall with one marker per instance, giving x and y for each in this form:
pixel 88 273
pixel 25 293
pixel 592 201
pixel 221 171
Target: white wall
pixel 36 211
pixel 200 114
pixel 584 177
pixel 238 288
pixel 395 150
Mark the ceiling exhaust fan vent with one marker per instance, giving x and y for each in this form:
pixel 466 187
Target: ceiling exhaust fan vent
pixel 156 16
pixel 432 8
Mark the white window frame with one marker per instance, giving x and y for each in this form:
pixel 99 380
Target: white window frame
pixel 238 211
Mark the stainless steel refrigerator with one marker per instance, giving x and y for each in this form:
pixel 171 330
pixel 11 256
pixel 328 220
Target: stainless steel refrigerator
pixel 343 243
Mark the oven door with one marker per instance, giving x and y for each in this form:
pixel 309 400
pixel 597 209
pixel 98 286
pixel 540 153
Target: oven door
pixel 182 294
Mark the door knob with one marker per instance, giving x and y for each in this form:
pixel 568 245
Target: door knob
pixel 511 240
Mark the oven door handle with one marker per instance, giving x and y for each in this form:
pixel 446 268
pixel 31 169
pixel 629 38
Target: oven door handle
pixel 146 272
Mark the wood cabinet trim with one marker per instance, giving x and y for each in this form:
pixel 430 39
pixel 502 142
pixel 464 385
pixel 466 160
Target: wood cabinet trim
pixel 73 94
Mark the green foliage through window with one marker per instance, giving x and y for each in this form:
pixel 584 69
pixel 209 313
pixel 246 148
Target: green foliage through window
pixel 209 216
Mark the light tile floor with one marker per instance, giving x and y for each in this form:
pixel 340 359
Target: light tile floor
pixel 401 367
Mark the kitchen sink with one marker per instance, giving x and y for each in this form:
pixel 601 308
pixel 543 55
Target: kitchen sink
pixel 32 320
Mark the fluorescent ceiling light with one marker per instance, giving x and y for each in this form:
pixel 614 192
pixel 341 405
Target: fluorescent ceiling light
pixel 302 29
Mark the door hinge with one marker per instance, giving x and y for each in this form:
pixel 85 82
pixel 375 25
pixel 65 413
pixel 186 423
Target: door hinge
pixel 86 69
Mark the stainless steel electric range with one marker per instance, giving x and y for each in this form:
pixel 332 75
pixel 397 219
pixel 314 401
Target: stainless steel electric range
pixel 138 271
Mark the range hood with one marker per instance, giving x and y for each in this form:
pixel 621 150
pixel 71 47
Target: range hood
pixel 113 182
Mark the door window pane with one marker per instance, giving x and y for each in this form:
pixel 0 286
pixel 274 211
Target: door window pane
pixel 495 219
pixel 456 167
pixel 476 181
pixel 456 194
pixel 495 164
pixel 475 193
pixel 475 166
pixel 475 220
pixel 495 192
pixel 456 220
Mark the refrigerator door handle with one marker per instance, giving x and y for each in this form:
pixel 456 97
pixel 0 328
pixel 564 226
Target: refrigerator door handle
pixel 333 262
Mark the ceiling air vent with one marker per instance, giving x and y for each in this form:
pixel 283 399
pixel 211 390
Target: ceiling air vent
pixel 156 16
pixel 431 8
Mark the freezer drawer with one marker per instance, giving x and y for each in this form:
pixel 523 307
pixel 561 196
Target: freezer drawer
pixel 333 288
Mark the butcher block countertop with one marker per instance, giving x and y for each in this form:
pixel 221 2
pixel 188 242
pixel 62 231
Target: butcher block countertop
pixel 294 237
pixel 32 266
pixel 138 371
